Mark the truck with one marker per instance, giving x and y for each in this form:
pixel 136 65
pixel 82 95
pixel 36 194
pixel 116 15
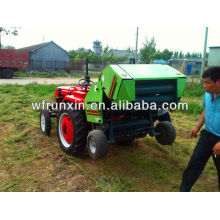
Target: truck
pixel 11 61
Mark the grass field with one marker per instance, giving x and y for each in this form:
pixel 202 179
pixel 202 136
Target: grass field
pixel 30 161
pixel 51 75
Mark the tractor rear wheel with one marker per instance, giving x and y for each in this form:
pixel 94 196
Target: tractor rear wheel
pixel 166 133
pixel 72 131
pixel 45 122
pixel 97 144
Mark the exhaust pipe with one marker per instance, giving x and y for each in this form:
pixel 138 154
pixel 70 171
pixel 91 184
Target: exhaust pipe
pixel 87 77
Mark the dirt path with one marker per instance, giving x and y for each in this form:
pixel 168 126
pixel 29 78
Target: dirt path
pixel 28 80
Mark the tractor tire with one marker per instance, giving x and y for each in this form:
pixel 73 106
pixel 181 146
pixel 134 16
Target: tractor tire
pixel 7 73
pixel 72 131
pixel 97 144
pixel 45 122
pixel 166 133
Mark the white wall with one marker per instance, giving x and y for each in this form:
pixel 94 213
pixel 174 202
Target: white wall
pixel 214 57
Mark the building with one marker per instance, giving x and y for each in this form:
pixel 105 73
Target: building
pixel 121 53
pixel 214 56
pixel 97 47
pixel 129 54
pixel 82 49
pixel 187 66
pixel 49 56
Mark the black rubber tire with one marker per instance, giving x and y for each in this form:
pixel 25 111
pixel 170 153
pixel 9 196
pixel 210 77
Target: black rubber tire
pixel 47 128
pixel 101 144
pixel 7 73
pixel 79 125
pixel 166 133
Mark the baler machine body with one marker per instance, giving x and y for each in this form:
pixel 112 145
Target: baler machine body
pixel 151 83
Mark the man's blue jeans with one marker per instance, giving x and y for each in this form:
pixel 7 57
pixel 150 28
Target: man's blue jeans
pixel 202 152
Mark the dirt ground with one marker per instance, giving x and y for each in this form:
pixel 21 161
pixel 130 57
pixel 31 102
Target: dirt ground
pixel 45 81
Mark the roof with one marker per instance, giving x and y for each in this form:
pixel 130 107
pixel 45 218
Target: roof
pixel 186 59
pixel 96 41
pixel 34 47
pixel 38 46
pixel 160 61
pixel 215 47
pixel 122 53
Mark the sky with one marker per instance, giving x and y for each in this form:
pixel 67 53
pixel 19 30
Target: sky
pixel 175 25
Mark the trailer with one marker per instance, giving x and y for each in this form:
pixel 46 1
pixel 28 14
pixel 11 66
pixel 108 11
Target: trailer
pixel 11 61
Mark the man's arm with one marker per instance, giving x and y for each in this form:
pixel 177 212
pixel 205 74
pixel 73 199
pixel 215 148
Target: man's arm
pixel 200 123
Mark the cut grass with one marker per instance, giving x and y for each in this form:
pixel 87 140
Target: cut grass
pixel 32 162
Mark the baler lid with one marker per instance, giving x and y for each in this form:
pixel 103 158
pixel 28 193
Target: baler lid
pixel 150 71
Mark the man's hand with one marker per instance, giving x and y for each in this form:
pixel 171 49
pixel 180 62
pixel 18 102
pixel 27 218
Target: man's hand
pixel 216 149
pixel 200 123
pixel 194 133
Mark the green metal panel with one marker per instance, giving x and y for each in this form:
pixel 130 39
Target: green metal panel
pixel 127 91
pixel 106 79
pixel 111 81
pixel 150 71
pixel 180 86
pixel 121 73
pixel 95 95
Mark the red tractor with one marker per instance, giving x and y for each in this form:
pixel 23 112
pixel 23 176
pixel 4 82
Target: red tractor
pixel 72 126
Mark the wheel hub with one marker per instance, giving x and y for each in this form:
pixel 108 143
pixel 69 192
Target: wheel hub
pixel 67 129
pixel 43 123
pixel 92 145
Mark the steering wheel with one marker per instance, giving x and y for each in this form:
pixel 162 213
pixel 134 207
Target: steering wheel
pixel 85 82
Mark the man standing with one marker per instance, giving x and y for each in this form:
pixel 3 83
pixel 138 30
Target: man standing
pixel 209 141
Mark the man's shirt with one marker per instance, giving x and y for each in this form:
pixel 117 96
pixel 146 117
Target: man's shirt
pixel 212 113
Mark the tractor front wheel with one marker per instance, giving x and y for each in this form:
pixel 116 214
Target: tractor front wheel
pixel 97 144
pixel 166 133
pixel 72 131
pixel 45 122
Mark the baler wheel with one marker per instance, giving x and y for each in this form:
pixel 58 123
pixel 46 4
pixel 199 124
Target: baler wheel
pixel 166 133
pixel 97 144
pixel 45 122
pixel 72 131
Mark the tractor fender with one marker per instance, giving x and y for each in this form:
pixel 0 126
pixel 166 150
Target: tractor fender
pixel 74 99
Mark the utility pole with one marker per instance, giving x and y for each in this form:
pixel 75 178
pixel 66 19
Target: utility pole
pixel 204 52
pixel 136 46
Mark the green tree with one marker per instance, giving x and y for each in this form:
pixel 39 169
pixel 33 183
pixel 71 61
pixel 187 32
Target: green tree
pixel 207 55
pixel 147 52
pixel 188 55
pixel 166 54
pixel 7 31
pixel 181 55
pixel 157 55
pixel 8 47
pixel 176 54
pixel 107 51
